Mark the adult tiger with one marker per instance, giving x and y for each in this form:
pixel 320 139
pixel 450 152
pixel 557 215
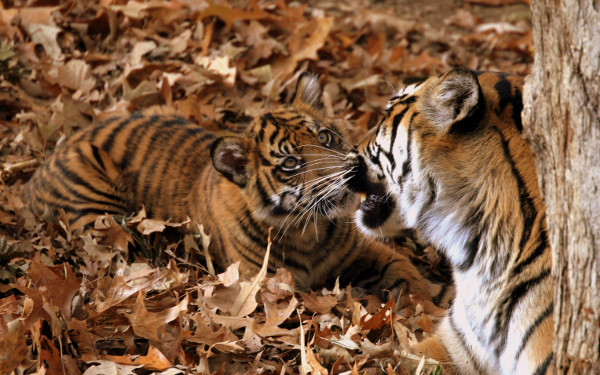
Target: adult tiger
pixel 285 172
pixel 448 159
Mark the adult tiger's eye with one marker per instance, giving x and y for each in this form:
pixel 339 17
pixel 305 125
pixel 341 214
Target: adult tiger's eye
pixel 325 137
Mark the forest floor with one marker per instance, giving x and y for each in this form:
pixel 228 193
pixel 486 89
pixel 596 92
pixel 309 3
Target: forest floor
pixel 73 303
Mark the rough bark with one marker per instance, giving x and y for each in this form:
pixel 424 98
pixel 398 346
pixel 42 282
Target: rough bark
pixel 562 122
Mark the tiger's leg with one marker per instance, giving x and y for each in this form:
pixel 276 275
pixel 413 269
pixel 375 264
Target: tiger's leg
pixel 433 348
pixel 381 269
pixel 462 349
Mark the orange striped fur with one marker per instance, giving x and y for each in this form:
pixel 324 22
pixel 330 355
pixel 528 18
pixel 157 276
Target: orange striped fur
pixel 448 160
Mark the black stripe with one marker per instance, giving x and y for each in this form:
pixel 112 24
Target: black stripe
pixel 503 88
pixel 261 191
pixel 91 135
pixel 528 210
pixel 474 221
pixel 546 313
pixel 133 144
pixel 206 137
pixel 517 109
pixel 289 261
pixel 539 250
pixel 507 308
pixel 90 210
pixel 407 165
pixel 108 143
pixel 274 135
pixel 339 241
pixel 472 248
pixel 256 236
pixel 463 341
pixel 185 153
pixel 195 144
pixel 387 265
pixel 395 124
pixel 358 271
pixel 441 295
pixel 160 135
pixel 473 118
pixel 409 100
pixel 397 283
pixel 270 183
pixel 239 246
pixel 100 171
pixel 543 367
pixel 264 161
pixel 173 147
pixel 96 153
pixel 279 175
pixel 77 180
pixel 73 206
pixel 432 193
pixel 255 227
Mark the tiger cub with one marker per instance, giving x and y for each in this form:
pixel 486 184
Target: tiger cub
pixel 287 172
pixel 448 160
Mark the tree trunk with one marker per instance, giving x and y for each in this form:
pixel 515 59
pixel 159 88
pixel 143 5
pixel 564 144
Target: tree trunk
pixel 562 123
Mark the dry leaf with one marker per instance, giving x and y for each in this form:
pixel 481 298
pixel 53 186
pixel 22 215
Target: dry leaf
pixel 156 327
pixel 318 304
pixel 75 75
pixel 103 367
pixel 245 302
pixel 229 15
pixel 46 36
pixel 153 361
pixel 13 347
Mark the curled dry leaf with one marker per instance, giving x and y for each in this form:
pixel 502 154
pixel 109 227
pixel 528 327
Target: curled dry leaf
pixel 105 367
pixel 230 15
pixel 46 36
pixel 75 75
pixel 319 304
pixel 153 361
pixel 121 288
pixel 157 327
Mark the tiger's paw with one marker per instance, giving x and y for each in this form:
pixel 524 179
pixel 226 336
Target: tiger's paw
pixel 432 347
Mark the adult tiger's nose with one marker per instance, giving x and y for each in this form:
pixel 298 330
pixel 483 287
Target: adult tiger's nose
pixel 356 173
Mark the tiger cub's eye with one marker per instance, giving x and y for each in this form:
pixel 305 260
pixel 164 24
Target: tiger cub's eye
pixel 325 137
pixel 290 163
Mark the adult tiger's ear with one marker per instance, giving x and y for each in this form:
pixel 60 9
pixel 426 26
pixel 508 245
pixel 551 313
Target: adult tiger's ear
pixel 229 157
pixel 456 104
pixel 308 90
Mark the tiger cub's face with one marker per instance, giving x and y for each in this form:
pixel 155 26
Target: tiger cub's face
pixel 290 163
pixel 434 136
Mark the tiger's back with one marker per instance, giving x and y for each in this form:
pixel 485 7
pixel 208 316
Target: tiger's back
pixel 450 154
pixel 116 166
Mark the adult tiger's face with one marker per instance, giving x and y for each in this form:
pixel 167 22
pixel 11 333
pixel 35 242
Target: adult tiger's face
pixel 431 140
pixel 290 163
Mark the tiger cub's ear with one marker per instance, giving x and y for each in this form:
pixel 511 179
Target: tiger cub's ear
pixel 308 90
pixel 456 104
pixel 229 157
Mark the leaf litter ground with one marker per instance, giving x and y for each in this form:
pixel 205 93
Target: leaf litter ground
pixel 74 303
